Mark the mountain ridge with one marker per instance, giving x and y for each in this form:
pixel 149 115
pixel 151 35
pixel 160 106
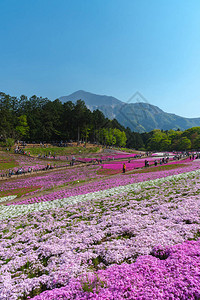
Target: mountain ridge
pixel 92 99
pixel 139 116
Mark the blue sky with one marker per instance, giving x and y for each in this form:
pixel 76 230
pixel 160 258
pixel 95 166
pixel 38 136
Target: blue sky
pixel 115 47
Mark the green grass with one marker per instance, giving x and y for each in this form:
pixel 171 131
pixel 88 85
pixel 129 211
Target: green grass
pixel 6 166
pixel 61 150
pixel 7 163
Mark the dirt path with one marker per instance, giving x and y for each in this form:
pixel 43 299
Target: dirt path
pixel 36 173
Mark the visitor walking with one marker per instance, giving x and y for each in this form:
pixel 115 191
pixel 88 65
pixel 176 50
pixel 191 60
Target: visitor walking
pixel 124 168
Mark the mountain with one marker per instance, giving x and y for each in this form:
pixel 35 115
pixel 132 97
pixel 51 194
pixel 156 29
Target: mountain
pixel 91 99
pixel 139 116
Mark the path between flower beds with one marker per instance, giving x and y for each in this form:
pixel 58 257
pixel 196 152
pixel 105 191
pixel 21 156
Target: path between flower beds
pixel 35 173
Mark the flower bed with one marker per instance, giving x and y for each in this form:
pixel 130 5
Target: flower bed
pixel 108 183
pixel 150 277
pixel 58 247
pixel 52 179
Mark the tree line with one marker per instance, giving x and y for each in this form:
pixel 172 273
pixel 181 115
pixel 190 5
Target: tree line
pixel 39 119
pixel 172 139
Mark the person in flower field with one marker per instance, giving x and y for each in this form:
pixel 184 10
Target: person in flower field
pixel 124 168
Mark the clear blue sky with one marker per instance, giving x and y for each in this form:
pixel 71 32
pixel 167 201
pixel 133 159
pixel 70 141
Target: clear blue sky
pixel 52 48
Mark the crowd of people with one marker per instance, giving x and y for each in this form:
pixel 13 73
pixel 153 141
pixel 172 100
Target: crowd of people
pixel 22 171
pixel 19 150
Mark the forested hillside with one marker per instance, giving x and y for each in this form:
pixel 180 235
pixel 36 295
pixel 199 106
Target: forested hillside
pixel 39 119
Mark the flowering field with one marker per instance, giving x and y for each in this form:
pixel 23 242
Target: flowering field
pixel 132 236
pixel 49 181
pixel 104 182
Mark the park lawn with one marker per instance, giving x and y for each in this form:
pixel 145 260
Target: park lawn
pixel 7 163
pixel 61 150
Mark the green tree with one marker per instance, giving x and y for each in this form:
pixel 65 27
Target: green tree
pixel 10 143
pixel 22 128
pixel 196 143
pixel 120 137
pixel 85 132
pixel 8 115
pixel 183 144
pixel 155 142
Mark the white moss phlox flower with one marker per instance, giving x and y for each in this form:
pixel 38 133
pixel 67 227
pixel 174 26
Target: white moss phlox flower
pixel 8 198
pixel 12 211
